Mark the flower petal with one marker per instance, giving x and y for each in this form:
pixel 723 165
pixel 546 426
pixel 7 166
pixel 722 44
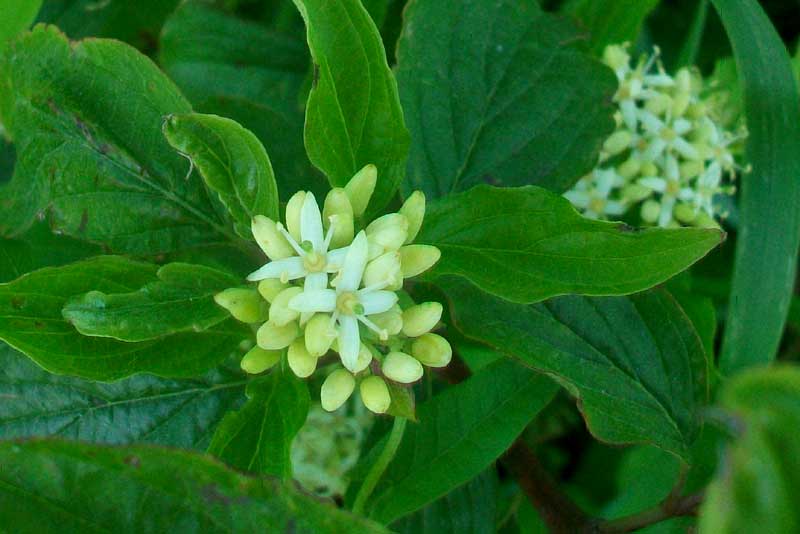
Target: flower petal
pixel 316 282
pixel 656 184
pixel 349 341
pixel 354 263
pixel 321 300
pixel 292 268
pixel 377 301
pixel 335 259
pixel 311 223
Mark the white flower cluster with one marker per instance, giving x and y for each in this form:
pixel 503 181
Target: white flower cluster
pixel 330 288
pixel 668 155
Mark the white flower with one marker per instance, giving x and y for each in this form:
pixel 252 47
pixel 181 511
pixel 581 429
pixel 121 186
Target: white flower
pixel 667 136
pixel 313 261
pixel 348 304
pixel 670 188
pixel 592 195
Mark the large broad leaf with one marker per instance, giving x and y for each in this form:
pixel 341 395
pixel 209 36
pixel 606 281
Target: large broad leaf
pixel 635 363
pixel 31 321
pixel 527 244
pixel 181 300
pixel 54 486
pixel 232 161
pixel 610 21
pixel 496 92
pixel 258 438
pixel 87 119
pixel 353 115
pixel 460 432
pixel 138 409
pixel 17 16
pixel 756 487
pixel 769 229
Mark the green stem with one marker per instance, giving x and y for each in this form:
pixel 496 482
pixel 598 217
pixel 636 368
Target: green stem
pixel 376 471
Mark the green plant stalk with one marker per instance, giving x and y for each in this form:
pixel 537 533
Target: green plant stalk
pixel 379 467
pixel 691 47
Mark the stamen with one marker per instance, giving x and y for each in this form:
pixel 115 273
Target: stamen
pixel 329 234
pixel 290 239
pixel 285 277
pixel 383 334
pixel 375 287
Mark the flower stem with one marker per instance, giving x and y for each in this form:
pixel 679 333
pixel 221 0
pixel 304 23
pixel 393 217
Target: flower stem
pixel 376 471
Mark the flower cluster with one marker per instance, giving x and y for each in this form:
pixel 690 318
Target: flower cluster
pixel 330 288
pixel 668 154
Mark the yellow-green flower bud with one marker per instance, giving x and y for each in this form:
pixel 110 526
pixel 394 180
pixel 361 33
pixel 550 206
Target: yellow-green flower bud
pixel 271 241
pixel 384 268
pixel 401 367
pixel 336 389
pixel 270 287
pixel 635 192
pixel 391 320
pixel 649 169
pixel 704 220
pixel 258 360
pixel 414 211
pixel 280 313
pixel 419 319
pixel 364 358
pixel 273 337
pixel 416 259
pixel 650 211
pixel 300 361
pixel 691 169
pixel 432 350
pixel 319 334
pixel 616 57
pixel 375 394
pixel 293 209
pixel 388 231
pixel 246 305
pixel 618 142
pixel 680 104
pixel 338 212
pixel 630 168
pixel 360 188
pixel 685 213
pixel 659 104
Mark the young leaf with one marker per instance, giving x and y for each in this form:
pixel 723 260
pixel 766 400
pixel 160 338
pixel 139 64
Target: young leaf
pixel 756 488
pixel 150 489
pixel 495 91
pixel 182 300
pixel 769 231
pixel 232 161
pixel 86 120
pixel 31 321
pixel 142 408
pixel 353 115
pixel 610 21
pixel 527 244
pixel 635 363
pixel 460 432
pixel 258 438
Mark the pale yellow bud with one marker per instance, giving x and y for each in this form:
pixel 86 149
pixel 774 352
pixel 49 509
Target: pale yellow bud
pixel 364 358
pixel 258 360
pixel 271 241
pixel 338 212
pixel 270 287
pixel 273 337
pixel 384 268
pixel 388 231
pixel 635 192
pixel 680 103
pixel 245 305
pixel 280 313
pixel 300 361
pixel 421 318
pixel 618 142
pixel 659 104
pixel 374 250
pixel 650 211
pixel 685 213
pixel 319 334
pixel 401 367
pixel 360 188
pixel 683 81
pixel 704 220
pixel 336 389
pixel 391 320
pixel 293 209
pixel 690 169
pixel 414 211
pixel 616 57
pixel 630 168
pixel 649 169
pixel 432 350
pixel 416 259
pixel 375 394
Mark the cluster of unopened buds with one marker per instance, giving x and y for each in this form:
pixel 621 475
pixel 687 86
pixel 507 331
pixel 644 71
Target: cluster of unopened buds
pixel 668 155
pixel 331 287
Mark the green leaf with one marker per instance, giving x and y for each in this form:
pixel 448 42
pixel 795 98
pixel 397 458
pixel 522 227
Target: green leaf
pixel 142 408
pixel 353 115
pixel 17 16
pixel 258 438
pixel 635 363
pixel 769 230
pixel 756 487
pixel 53 486
pixel 181 300
pixel 610 21
pixel 231 160
pixel 38 248
pixel 496 91
pixel 31 321
pixel 527 244
pixel 86 119
pixel 460 432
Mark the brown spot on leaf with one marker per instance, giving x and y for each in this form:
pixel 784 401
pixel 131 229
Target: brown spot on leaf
pixel 84 221
pixel 133 461
pixel 315 79
pixel 17 302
